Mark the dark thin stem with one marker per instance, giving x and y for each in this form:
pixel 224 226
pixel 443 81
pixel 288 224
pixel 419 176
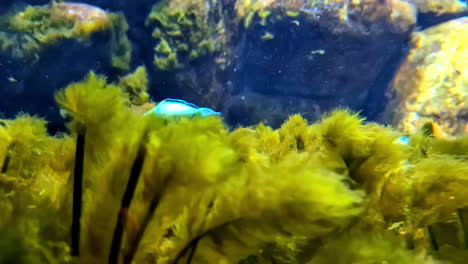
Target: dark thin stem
pixel 194 247
pixel 154 204
pixel 193 243
pixel 125 205
pixel 409 241
pixel 432 238
pixel 463 225
pixel 77 193
pixel 6 163
pixel 139 235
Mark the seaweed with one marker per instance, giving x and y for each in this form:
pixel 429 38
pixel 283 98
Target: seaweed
pixel 120 46
pixel 136 86
pixel 77 193
pixel 185 31
pixel 125 206
pixel 34 192
pixel 360 246
pixel 193 190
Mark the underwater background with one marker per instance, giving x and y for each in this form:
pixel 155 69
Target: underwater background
pixel 234 131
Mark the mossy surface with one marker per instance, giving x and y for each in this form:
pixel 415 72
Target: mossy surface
pixel 335 15
pixel 430 85
pixel 29 30
pixel 185 31
pixel 440 7
pixel 136 86
pixel 121 48
pixel 34 192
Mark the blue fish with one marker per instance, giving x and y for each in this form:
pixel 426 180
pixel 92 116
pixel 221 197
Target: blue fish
pixel 402 140
pixel 172 108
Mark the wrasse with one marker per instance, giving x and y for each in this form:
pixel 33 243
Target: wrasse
pixel 172 108
pixel 404 140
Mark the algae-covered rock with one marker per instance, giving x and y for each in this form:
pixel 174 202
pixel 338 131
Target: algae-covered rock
pixel 435 12
pixel 25 33
pixel 185 31
pixel 284 56
pixel 315 57
pixel 190 50
pixel 432 84
pixel 37 26
pixel 337 15
pixel 440 7
pixel 42 48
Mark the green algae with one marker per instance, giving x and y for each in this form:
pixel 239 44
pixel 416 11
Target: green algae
pixel 28 197
pixel 166 63
pixel 366 247
pixel 136 86
pixel 263 14
pixel 248 195
pixel 27 31
pixel 184 31
pixel 163 47
pixel 121 48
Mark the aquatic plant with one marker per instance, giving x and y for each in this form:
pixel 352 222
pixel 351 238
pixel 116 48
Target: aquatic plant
pixel 367 247
pixel 136 86
pixel 34 195
pixel 189 189
pixel 185 31
pixel 120 46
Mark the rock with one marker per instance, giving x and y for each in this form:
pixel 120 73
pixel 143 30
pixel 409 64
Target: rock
pixel 440 7
pixel 317 56
pixel 434 12
pixel 337 15
pixel 185 30
pixel 26 33
pixel 432 84
pixel 43 48
pixel 302 57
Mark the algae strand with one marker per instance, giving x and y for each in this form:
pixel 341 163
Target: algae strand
pixel 152 208
pixel 432 238
pixel 77 193
pixel 461 213
pixel 125 205
pixel 6 163
pixel 192 246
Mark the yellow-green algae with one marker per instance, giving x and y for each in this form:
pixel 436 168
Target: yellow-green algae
pixel 185 30
pixel 431 84
pixel 33 192
pixel 296 194
pixel 440 7
pixel 121 48
pixel 28 30
pixel 136 86
pixel 333 14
